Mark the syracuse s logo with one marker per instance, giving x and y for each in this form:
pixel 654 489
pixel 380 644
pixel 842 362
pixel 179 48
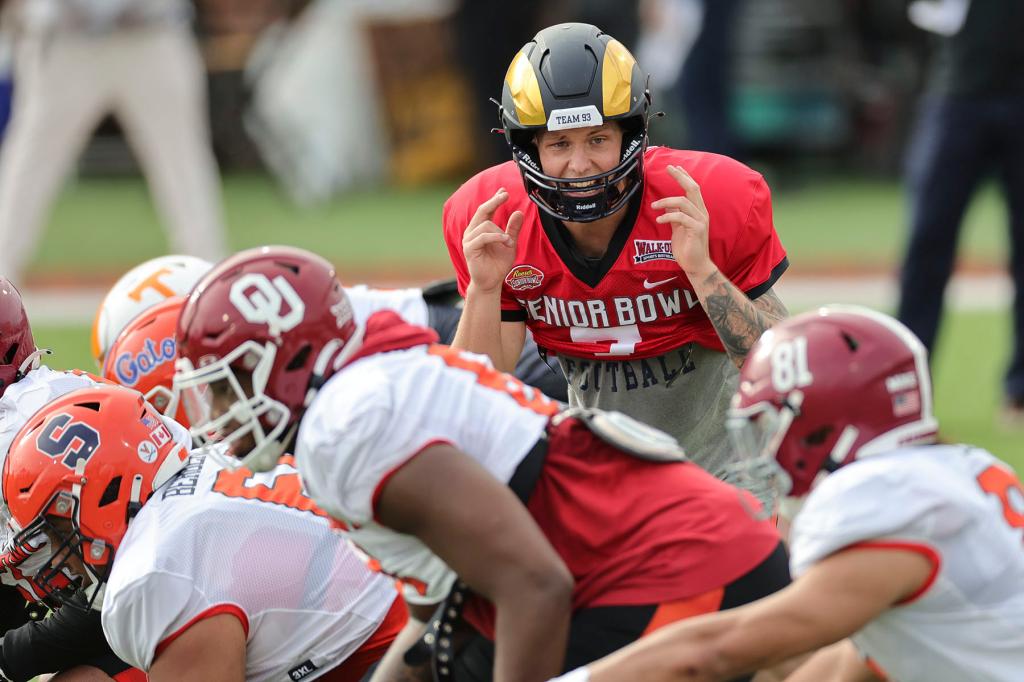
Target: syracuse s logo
pixel 261 300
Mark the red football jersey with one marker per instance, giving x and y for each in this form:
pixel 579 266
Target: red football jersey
pixel 635 301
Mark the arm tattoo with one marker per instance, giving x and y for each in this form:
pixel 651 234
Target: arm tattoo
pixel 738 320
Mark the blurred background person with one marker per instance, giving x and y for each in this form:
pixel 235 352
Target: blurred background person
pixel 969 127
pixel 707 80
pixel 77 60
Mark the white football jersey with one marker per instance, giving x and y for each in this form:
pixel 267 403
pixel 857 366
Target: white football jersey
pixel 382 410
pixel 962 508
pixel 214 540
pixel 408 303
pixel 22 398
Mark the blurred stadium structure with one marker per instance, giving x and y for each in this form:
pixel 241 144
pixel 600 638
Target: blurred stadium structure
pixel 329 95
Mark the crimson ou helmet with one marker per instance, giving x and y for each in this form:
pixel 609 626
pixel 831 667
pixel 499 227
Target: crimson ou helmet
pixel 18 352
pixel 828 387
pixel 574 76
pixel 143 356
pixel 258 336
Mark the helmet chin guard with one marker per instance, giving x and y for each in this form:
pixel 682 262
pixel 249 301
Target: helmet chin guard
pixel 253 425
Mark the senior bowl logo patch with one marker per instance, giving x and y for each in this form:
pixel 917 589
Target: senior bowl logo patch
pixel 523 277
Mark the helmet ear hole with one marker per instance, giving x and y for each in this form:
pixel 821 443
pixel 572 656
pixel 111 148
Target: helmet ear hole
pixel 11 353
pixel 112 492
pixel 851 342
pixel 818 436
pixel 298 360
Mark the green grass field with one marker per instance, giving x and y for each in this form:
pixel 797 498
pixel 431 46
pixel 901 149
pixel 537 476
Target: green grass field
pixel 832 225
pixel 839 222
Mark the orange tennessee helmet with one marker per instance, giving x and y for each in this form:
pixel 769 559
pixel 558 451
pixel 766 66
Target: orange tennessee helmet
pixel 78 472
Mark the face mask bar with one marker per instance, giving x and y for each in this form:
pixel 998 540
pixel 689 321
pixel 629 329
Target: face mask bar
pixel 757 433
pixel 246 415
pixel 555 195
pixel 164 400
pixel 58 580
pixel 26 553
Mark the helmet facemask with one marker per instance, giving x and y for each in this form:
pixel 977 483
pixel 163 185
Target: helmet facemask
pixel 231 410
pixel 74 568
pixel 611 189
pixel 757 433
pixel 164 400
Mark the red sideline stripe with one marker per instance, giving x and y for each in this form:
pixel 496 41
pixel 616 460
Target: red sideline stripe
pixel 928 552
pixel 217 610
pixel 387 477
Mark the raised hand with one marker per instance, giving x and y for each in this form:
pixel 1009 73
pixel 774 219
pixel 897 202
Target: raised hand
pixel 690 223
pixel 490 250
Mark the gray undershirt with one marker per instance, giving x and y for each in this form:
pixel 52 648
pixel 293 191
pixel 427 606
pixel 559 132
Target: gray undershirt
pixel 685 392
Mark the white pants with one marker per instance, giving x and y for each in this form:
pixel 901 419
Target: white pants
pixel 153 80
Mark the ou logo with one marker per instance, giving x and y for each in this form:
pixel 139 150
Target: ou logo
pixel 261 300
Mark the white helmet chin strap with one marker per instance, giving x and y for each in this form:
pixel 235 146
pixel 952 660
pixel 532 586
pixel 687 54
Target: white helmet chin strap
pixel 33 360
pixel 787 413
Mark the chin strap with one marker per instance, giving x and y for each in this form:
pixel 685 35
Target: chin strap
pixel 32 361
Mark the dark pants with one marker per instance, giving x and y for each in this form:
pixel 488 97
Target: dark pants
pixel 706 83
pixel 957 143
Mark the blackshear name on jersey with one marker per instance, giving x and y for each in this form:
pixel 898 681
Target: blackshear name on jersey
pixel 185 481
pixel 622 311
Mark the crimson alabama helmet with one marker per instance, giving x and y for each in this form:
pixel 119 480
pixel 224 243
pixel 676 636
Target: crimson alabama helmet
pixel 143 357
pixel 827 387
pixel 257 338
pixel 79 470
pixel 18 353
pixel 575 76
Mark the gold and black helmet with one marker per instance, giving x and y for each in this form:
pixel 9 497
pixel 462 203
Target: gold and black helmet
pixel 575 76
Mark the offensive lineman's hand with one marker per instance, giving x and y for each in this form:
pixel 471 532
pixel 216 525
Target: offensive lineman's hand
pixel 690 222
pixel 490 250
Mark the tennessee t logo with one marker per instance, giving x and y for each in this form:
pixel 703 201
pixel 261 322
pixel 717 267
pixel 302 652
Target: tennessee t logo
pixel 152 282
